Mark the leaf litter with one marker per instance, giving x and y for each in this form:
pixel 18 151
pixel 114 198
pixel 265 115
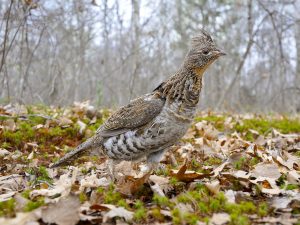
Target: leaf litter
pixel 224 171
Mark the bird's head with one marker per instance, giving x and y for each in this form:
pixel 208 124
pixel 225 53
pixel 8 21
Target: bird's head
pixel 202 53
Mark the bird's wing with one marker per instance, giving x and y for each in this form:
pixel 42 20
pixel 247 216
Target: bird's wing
pixel 136 114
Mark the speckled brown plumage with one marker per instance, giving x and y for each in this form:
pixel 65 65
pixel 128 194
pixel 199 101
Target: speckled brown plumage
pixel 150 124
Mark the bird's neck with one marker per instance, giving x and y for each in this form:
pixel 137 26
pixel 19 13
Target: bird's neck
pixel 184 86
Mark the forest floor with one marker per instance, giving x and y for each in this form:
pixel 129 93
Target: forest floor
pixel 227 169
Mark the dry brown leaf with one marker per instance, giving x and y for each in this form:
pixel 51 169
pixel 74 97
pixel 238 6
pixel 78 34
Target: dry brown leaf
pixel 4 152
pixel 14 182
pixel 213 186
pixel 132 185
pixel 7 196
pixel 207 130
pixel 62 187
pixel 265 169
pixel 280 220
pixel 9 125
pixel 64 121
pixel 293 177
pixel 64 212
pixel 82 126
pixel 190 134
pixel 219 169
pixel 240 174
pixel 230 195
pixel 283 202
pixel 125 168
pixel 161 184
pixel 187 176
pixel 117 212
pixel 219 219
pixel 93 181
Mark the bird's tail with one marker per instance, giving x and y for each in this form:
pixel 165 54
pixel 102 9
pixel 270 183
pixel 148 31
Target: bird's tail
pixel 83 149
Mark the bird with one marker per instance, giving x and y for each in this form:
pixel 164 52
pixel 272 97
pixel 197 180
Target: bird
pixel 150 124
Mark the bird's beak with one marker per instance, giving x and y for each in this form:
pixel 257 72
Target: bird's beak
pixel 219 52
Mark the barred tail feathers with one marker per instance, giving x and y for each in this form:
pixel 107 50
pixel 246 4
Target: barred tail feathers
pixel 83 149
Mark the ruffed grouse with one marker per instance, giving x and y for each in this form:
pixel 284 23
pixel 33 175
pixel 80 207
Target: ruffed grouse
pixel 150 124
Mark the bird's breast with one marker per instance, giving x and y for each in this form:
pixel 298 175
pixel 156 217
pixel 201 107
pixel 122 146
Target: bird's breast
pixel 162 132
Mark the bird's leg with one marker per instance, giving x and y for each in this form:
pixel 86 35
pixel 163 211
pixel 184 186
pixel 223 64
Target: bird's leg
pixel 111 169
pixel 153 160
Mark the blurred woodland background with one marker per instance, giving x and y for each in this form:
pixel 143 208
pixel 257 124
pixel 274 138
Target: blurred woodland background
pixel 110 51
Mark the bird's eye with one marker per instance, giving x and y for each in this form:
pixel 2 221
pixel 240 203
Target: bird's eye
pixel 205 52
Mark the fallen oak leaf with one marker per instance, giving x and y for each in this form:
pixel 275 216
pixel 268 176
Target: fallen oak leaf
pixel 117 212
pixel 219 219
pixel 93 181
pixel 219 169
pixel 7 196
pixel 213 186
pixel 161 184
pixel 132 185
pixel 293 177
pixel 61 188
pixel 265 169
pixel 98 207
pixel 64 212
pixel 187 176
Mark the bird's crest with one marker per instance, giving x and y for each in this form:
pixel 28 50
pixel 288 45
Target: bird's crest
pixel 203 38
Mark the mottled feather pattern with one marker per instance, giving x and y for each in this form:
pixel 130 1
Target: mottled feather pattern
pixel 137 113
pixel 150 124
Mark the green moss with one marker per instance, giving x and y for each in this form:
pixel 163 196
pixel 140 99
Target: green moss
pixel 195 164
pixel 183 198
pixel 31 205
pixel 176 216
pixel 84 171
pixel 24 133
pixel 202 189
pixel 123 203
pixel 174 181
pixel 37 119
pixel 140 213
pixel 253 161
pixel 162 201
pixel 191 218
pixel 240 164
pixel 237 219
pixel 263 125
pixel 243 207
pixel 41 174
pixel 291 187
pixel 245 163
pixel 221 197
pixel 100 190
pixel 157 214
pixel 6 145
pixel 212 161
pixel 26 194
pixel 82 197
pixel 111 196
pixel 7 208
pixel 215 205
pixel 262 209
pixel 217 121
pixel 64 132
pixel 203 208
